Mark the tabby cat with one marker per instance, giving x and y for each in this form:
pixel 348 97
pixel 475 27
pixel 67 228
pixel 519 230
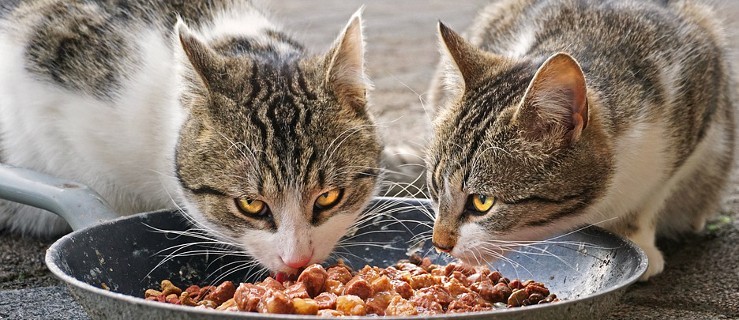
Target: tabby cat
pixel 557 114
pixel 201 104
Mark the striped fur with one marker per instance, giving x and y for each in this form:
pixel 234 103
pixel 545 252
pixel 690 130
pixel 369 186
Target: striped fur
pixel 154 112
pixel 647 148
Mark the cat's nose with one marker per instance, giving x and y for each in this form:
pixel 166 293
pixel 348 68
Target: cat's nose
pixel 443 248
pixel 297 262
pixel 444 237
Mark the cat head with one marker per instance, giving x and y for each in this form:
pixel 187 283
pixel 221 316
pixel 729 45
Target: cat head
pixel 518 152
pixel 279 154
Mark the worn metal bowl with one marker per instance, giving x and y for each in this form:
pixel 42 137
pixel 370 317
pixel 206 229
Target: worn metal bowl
pixel 109 265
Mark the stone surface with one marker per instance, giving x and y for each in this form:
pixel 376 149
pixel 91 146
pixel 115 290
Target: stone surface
pixel 52 302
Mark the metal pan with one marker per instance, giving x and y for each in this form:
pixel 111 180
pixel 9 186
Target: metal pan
pixel 108 265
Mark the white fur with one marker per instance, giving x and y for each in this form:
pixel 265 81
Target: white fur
pixel 123 150
pixel 640 164
pixel 239 21
pixel 638 187
pixel 642 185
pixel 520 47
pixel 470 246
pixel 669 76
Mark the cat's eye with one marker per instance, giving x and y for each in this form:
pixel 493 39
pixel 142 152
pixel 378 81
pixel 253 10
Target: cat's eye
pixel 328 199
pixel 480 203
pixel 251 207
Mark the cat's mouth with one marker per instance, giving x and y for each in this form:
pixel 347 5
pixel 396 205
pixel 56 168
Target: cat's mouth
pixel 281 276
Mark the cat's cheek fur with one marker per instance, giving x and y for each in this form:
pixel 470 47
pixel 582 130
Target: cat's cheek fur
pixel 266 247
pixel 295 239
pixel 327 235
pixel 471 244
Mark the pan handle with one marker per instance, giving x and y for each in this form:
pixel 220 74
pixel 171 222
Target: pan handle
pixel 78 204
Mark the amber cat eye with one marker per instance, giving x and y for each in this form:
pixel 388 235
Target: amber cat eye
pixel 251 207
pixel 328 199
pixel 480 203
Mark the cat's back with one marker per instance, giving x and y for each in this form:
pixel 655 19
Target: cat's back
pixel 94 46
pixel 595 29
pixel 648 59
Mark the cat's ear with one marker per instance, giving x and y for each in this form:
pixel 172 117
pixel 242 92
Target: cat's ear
pixel 463 63
pixel 345 73
pixel 205 62
pixel 555 106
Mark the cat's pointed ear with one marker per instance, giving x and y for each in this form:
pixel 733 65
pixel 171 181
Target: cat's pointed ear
pixel 555 105
pixel 463 62
pixel 345 73
pixel 206 63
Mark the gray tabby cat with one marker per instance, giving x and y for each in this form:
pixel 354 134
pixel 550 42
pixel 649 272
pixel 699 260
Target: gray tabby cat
pixel 267 147
pixel 557 114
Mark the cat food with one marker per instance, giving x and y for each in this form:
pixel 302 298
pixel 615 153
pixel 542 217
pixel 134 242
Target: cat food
pixel 415 287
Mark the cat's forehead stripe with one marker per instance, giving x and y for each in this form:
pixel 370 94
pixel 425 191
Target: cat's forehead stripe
pixel 482 104
pixel 255 87
pixel 504 96
pixel 305 89
pixel 283 120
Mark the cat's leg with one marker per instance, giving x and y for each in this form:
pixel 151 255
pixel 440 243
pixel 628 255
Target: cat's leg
pixel 640 228
pixel 696 195
pixel 26 220
pixel 645 238
pixel 694 200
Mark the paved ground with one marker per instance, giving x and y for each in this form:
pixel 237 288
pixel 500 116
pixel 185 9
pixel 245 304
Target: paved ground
pixel 701 280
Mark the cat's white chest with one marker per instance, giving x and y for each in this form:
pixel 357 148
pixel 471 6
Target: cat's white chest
pixel 641 164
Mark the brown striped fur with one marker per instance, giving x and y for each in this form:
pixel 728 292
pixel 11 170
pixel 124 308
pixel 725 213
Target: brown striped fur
pixel 571 112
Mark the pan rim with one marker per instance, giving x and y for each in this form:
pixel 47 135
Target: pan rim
pixel 52 255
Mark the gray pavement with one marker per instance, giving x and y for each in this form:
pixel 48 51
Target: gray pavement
pixel 701 279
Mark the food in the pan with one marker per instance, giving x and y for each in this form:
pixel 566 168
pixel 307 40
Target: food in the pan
pixel 411 287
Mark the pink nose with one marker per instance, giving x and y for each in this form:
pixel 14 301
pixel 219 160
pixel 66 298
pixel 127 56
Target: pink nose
pixel 298 262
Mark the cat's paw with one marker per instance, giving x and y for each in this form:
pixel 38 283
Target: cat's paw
pixel 656 262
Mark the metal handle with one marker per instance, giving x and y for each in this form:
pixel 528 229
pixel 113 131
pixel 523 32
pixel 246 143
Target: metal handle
pixel 78 204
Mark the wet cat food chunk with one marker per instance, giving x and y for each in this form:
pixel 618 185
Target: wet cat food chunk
pixel 248 296
pixel 314 277
pixel 409 288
